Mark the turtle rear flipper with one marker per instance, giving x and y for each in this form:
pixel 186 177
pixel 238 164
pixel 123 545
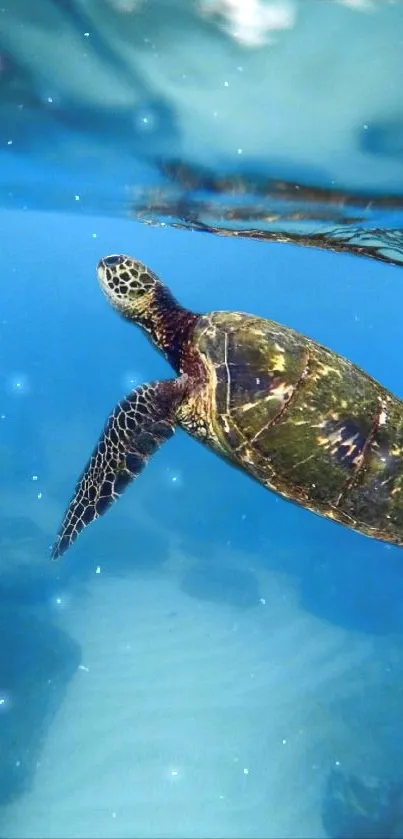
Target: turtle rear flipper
pixel 138 426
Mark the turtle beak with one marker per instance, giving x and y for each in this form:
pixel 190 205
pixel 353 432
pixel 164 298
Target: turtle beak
pixel 103 275
pixel 101 271
pixel 108 276
pixel 103 264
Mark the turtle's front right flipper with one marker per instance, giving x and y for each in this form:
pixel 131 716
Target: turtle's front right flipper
pixel 135 430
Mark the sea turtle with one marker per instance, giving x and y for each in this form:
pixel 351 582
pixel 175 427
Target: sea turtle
pixel 300 419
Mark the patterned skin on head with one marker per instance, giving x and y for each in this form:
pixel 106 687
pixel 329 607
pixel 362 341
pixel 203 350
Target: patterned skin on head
pixel 129 285
pixel 140 297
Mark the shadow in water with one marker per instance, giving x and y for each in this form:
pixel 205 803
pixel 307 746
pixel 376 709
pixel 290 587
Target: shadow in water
pixel 222 585
pixel 342 578
pixel 358 590
pixel 37 658
pixel 367 808
pixel 37 661
pixel 122 549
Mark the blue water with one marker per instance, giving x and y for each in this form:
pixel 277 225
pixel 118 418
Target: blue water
pixel 66 359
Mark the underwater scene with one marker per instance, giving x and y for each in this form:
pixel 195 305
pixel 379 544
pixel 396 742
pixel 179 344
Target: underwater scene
pixel 184 651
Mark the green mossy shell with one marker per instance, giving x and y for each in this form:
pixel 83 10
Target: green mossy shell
pixel 304 421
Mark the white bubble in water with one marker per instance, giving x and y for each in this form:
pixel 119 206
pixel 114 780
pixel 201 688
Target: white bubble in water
pixel 5 701
pixel 50 97
pixel 18 384
pixel 174 773
pixel 173 477
pixel 145 120
pixel 131 379
pixel 60 601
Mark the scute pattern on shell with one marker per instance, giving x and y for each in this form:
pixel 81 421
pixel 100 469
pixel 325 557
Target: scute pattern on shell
pixel 305 422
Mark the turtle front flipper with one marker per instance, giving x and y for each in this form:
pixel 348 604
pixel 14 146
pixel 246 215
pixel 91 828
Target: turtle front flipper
pixel 138 426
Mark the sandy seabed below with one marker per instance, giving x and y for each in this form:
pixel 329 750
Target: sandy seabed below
pixel 188 718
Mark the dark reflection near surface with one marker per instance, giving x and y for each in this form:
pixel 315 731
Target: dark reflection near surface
pixel 254 206
pixel 125 116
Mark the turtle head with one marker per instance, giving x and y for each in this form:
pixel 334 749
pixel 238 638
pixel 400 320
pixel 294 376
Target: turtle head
pixel 129 285
pixel 137 294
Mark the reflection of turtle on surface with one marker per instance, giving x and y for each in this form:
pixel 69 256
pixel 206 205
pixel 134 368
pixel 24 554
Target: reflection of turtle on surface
pixel 297 417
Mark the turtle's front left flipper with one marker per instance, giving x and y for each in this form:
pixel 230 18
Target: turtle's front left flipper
pixel 135 430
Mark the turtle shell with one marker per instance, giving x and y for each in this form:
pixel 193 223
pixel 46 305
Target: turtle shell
pixel 304 421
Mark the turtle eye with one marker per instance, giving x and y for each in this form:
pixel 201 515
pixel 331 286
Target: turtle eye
pixel 113 260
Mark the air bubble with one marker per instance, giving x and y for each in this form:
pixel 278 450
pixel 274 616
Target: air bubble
pixel 18 384
pixel 50 98
pixel 174 478
pixel 5 702
pixel 145 120
pixel 131 379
